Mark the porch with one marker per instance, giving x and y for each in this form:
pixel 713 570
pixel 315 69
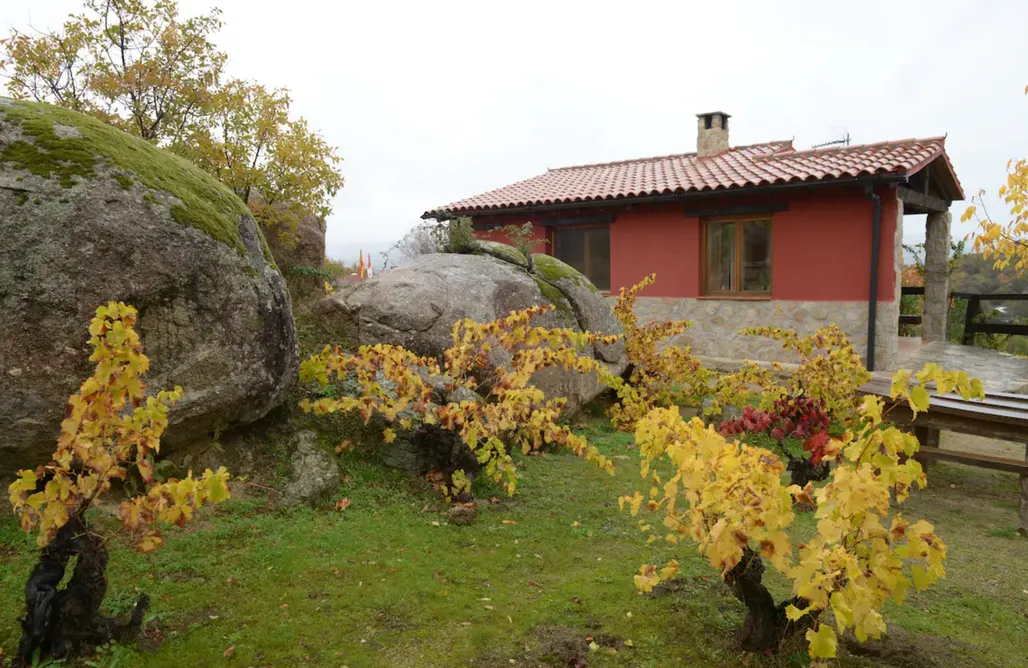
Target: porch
pixel 999 372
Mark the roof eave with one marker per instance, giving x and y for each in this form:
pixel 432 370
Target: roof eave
pixel 872 179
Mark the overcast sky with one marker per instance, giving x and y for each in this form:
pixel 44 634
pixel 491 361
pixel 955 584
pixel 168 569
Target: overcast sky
pixel 430 102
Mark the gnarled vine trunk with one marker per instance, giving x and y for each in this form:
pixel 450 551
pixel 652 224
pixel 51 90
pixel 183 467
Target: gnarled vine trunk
pixel 766 625
pixel 802 470
pixel 66 622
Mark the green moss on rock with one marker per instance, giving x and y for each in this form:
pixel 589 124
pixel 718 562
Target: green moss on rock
pixel 70 153
pixel 555 296
pixel 124 181
pixel 502 252
pixel 552 269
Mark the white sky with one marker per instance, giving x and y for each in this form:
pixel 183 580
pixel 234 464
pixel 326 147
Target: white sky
pixel 430 102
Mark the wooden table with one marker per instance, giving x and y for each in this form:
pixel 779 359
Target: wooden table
pixel 1000 415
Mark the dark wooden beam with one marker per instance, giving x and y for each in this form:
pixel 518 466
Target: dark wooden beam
pixel 974 459
pixel 597 219
pixel 922 201
pixel 736 210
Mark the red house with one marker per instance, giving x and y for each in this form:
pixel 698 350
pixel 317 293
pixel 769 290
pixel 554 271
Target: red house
pixel 747 235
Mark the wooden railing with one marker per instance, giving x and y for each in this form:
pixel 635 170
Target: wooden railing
pixel 973 322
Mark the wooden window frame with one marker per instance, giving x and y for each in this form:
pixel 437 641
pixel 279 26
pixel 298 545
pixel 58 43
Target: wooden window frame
pixel 705 291
pixel 551 240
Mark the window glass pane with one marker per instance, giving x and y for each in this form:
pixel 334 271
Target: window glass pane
pixel 569 246
pixel 598 257
pixel 588 251
pixel 756 256
pixel 721 257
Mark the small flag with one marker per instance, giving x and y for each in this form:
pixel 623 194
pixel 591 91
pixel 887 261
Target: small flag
pixel 369 265
pixel 360 266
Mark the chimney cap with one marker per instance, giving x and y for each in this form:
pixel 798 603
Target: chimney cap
pixel 713 113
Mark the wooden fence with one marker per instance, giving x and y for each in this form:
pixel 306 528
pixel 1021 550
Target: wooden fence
pixel 973 320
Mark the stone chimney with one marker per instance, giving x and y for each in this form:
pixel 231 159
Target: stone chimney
pixel 711 133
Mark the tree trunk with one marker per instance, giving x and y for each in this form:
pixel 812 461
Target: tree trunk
pixel 60 623
pixel 802 471
pixel 766 625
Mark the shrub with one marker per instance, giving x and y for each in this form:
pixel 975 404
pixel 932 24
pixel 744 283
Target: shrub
pixel 799 419
pixel 401 387
pixel 455 236
pixel 829 370
pixel 336 269
pixel 728 498
pixel 112 429
pixel 657 376
pixel 523 238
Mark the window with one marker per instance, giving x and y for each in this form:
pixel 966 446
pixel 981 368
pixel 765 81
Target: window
pixel 587 249
pixel 737 258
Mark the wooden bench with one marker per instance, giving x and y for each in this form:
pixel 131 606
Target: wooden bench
pixel 1000 415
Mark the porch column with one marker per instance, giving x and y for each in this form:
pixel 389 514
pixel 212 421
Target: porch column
pixel 936 282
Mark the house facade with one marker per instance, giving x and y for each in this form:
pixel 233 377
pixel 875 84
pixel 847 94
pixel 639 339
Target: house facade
pixel 746 236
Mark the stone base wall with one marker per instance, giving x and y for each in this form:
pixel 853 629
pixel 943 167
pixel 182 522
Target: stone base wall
pixel 716 325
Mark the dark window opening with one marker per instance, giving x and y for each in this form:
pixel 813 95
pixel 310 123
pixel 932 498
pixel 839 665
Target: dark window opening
pixel 587 250
pixel 708 121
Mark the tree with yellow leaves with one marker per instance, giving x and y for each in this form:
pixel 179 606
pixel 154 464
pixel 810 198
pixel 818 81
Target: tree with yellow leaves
pixel 112 431
pixel 139 66
pixel 1006 242
pixel 728 498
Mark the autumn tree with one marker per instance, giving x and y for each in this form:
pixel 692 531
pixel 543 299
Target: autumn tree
pixel 111 433
pixel 1006 242
pixel 727 497
pixel 282 169
pixel 133 63
pixel 141 67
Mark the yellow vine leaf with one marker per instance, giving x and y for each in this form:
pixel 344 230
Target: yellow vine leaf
pixel 823 642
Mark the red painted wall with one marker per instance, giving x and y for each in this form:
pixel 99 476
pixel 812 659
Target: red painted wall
pixel 497 234
pixel 820 246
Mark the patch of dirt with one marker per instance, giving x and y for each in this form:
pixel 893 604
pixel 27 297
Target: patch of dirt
pixel 553 647
pixel 156 632
pixel 901 649
pixel 392 619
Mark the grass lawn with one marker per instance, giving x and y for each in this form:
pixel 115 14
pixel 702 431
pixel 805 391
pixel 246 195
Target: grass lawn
pixel 534 580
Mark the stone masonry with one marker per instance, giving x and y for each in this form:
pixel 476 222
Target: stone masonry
pixel 717 322
pixel 936 281
pixel 712 140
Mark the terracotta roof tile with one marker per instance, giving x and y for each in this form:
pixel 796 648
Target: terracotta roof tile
pixel 772 163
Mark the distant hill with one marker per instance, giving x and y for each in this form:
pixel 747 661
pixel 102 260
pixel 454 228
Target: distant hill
pixel 976 274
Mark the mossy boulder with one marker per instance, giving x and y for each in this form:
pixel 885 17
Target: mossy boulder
pixel 416 306
pixel 90 214
pixel 501 251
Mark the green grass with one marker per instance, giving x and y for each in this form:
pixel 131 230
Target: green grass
pixel 388 582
